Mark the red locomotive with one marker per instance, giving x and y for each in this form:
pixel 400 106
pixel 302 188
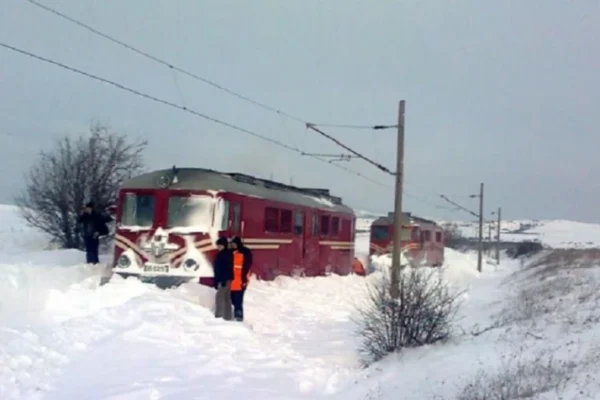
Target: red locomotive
pixel 422 239
pixel 168 222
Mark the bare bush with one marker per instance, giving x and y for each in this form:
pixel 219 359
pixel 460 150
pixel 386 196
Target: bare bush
pixel 423 314
pixel 91 167
pixel 518 378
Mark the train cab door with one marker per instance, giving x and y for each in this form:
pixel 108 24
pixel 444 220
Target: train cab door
pixel 311 243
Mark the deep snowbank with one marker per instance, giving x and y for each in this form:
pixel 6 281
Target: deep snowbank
pixel 62 336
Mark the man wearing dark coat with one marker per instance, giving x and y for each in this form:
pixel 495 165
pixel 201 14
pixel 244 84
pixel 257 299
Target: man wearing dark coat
pixel 223 272
pixel 92 225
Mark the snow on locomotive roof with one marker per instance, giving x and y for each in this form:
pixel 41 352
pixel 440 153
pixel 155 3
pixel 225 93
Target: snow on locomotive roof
pixel 407 218
pixel 207 179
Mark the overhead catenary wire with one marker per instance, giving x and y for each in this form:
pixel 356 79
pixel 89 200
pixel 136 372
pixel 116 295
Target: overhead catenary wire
pixel 218 86
pixel 458 206
pixel 166 63
pixel 182 108
pixel 357 154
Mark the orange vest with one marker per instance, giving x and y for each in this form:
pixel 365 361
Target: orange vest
pixel 238 263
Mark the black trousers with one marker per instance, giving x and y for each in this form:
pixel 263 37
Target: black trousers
pixel 91 250
pixel 237 300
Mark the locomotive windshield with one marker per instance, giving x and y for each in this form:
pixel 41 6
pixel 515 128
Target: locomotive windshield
pixel 195 211
pixel 138 210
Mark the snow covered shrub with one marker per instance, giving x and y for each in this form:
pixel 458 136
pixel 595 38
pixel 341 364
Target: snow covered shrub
pixel 423 313
pixel 518 378
pixel 74 171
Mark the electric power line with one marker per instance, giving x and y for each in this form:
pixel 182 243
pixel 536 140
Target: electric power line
pixel 357 154
pixel 372 127
pixel 459 206
pixel 216 85
pixel 165 63
pixel 183 108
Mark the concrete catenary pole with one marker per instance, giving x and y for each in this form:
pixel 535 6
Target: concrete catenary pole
pixel 498 235
pixel 397 244
pixel 480 249
pixel 489 245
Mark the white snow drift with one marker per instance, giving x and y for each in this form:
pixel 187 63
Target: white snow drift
pixel 64 337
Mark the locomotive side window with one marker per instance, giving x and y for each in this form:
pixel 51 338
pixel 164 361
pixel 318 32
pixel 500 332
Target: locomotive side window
pixel 438 237
pixel 315 225
pixel 406 235
pixel 298 222
pixel 271 219
pixel 346 228
pixel 380 232
pixel 191 211
pixel 285 225
pixel 324 225
pixel 425 236
pixel 138 210
pixel 237 217
pixel 335 226
pixel 224 223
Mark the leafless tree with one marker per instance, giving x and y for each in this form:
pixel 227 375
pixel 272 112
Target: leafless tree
pixel 90 167
pixel 424 314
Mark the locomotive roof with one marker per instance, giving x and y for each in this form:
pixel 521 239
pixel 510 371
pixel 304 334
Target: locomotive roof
pixel 206 179
pixel 407 218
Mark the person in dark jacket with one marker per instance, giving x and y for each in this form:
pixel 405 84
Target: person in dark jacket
pixel 242 262
pixel 223 272
pixel 92 225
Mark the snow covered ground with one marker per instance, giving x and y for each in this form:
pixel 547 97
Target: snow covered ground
pixel 64 337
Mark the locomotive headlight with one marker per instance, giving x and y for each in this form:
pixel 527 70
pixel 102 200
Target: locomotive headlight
pixel 124 261
pixel 191 264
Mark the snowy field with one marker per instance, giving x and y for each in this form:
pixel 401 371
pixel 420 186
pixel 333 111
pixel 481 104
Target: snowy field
pixel 532 328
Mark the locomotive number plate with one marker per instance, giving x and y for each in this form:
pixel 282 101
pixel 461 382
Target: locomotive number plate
pixel 156 268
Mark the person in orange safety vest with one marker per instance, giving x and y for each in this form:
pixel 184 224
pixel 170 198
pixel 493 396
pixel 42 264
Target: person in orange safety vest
pixel 242 262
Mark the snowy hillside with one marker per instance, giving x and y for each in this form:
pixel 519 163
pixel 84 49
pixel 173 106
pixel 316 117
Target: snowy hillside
pixel 551 233
pixel 64 337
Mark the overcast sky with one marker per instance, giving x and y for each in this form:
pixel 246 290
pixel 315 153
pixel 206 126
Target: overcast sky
pixel 504 92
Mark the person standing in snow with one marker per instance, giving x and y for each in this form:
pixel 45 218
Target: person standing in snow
pixel 92 225
pixel 242 262
pixel 223 271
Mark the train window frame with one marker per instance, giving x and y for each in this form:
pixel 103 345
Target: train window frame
pixel 335 226
pixel 285 221
pixel 425 235
pixel 236 218
pixel 406 234
pixel 376 231
pixel 273 226
pixel 346 227
pixel 315 224
pixel 325 221
pixel 123 221
pixel 438 237
pixel 206 225
pixel 224 223
pixel 298 222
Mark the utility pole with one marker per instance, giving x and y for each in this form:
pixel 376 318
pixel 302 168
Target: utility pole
pixel 498 236
pixel 397 244
pixel 479 255
pixel 489 246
